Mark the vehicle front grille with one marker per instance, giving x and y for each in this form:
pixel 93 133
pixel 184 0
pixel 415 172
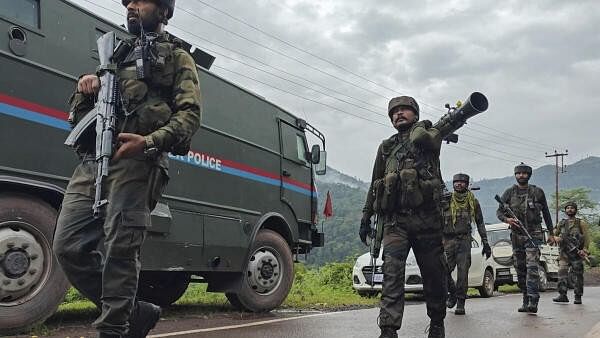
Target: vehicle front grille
pixel 367 272
pixel 413 280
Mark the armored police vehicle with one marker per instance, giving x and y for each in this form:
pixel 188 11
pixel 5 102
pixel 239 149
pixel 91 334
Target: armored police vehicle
pixel 241 204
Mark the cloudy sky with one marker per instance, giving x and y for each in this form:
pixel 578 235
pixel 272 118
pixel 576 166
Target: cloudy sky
pixel 538 62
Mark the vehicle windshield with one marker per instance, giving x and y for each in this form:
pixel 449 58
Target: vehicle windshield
pixel 498 235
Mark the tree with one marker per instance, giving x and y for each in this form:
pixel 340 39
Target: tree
pixel 586 207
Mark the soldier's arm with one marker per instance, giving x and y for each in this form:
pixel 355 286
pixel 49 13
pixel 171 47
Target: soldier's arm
pixel 378 170
pixel 500 211
pixel 424 136
pixel 585 230
pixel 557 229
pixel 186 104
pixel 79 104
pixel 480 223
pixel 545 211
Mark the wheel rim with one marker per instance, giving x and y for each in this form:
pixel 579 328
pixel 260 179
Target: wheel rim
pixel 25 262
pixel 489 284
pixel 264 271
pixel 543 278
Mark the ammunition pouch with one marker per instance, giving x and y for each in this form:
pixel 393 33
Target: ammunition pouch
pixel 411 196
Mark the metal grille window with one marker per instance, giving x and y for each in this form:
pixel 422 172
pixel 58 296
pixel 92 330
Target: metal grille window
pixel 23 11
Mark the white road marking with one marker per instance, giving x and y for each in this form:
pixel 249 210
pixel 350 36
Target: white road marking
pixel 230 327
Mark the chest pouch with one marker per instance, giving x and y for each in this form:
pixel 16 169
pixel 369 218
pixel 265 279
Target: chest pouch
pixel 410 191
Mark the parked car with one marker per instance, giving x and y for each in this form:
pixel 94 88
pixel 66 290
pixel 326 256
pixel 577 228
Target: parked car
pixel 499 238
pixel 481 273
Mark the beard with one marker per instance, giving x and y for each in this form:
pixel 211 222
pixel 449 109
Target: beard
pixel 523 181
pixel 571 213
pixel 150 22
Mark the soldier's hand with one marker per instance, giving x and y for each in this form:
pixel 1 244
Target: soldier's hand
pixel 365 228
pixel 487 250
pixel 582 253
pixel 129 145
pixel 513 222
pixel 88 84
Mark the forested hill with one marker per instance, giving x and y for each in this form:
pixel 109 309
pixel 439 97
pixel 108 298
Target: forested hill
pixel 348 194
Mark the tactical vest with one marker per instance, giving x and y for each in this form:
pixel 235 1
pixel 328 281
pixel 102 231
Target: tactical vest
pixel 527 207
pixel 411 181
pixel 463 222
pixel 145 102
pixel 573 231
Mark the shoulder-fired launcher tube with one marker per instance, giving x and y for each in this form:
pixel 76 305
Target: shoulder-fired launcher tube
pixel 476 103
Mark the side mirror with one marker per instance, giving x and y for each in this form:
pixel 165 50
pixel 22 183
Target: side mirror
pixel 321 167
pixel 315 154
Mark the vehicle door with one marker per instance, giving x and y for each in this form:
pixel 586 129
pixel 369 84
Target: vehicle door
pixel 550 254
pixel 477 266
pixel 296 175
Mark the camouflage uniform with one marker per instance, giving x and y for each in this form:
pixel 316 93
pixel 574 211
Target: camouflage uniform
pixel 529 205
pixel 101 256
pixel 405 192
pixel 578 230
pixel 457 243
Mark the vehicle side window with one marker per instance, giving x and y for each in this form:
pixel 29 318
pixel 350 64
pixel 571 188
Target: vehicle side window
pixel 294 144
pixel 23 11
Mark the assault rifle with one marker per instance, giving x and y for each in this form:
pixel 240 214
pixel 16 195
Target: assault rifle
pixel 104 114
pixel 511 214
pixel 571 245
pixel 375 247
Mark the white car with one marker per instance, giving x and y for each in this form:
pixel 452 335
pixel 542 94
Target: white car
pixel 499 238
pixel 481 273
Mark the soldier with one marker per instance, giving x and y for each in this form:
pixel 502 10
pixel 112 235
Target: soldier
pixel 158 114
pixel 464 209
pixel 529 204
pixel 405 193
pixel 573 235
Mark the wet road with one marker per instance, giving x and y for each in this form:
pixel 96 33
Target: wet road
pixel 492 317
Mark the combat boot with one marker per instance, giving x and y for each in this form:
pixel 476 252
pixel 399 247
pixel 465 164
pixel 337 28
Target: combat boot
pixel 388 332
pixel 436 330
pixel 525 306
pixel 460 307
pixel 562 298
pixel 577 299
pixel 451 301
pixel 533 304
pixel 144 318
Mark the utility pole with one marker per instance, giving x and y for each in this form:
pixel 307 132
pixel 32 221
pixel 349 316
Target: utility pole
pixel 556 155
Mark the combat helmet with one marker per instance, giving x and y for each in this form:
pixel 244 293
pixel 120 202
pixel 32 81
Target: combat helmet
pixel 403 101
pixel 169 4
pixel 523 168
pixel 570 204
pixel 461 177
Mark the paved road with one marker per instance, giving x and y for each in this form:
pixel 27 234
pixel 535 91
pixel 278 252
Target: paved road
pixel 491 317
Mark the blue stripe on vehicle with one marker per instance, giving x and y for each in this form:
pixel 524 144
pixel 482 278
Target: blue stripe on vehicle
pixel 34 117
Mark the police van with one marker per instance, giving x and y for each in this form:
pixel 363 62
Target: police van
pixel 239 207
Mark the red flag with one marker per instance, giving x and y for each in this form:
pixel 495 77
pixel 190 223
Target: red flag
pixel 328 211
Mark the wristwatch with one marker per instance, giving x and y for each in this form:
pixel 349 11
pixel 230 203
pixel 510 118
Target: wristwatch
pixel 150 149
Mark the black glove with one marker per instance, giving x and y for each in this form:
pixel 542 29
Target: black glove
pixel 487 250
pixel 365 228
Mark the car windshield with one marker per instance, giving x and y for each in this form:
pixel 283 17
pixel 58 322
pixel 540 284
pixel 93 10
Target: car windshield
pixel 498 235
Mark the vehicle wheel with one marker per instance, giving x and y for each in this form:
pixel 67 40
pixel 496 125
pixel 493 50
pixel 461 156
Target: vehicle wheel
pixel 269 274
pixel 486 289
pixel 32 283
pixel 161 287
pixel 543 278
pixel 368 294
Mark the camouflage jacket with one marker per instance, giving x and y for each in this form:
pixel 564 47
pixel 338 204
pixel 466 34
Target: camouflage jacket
pixel 577 227
pixel 529 205
pixel 165 107
pixel 399 160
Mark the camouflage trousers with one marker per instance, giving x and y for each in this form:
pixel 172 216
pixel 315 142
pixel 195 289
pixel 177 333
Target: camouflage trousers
pixel 576 264
pixel 458 254
pixel 427 246
pixel 526 257
pixel 101 257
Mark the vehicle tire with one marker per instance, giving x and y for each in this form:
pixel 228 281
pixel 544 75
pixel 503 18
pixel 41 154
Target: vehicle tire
pixel 368 294
pixel 162 288
pixel 33 284
pixel 486 289
pixel 543 272
pixel 269 274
